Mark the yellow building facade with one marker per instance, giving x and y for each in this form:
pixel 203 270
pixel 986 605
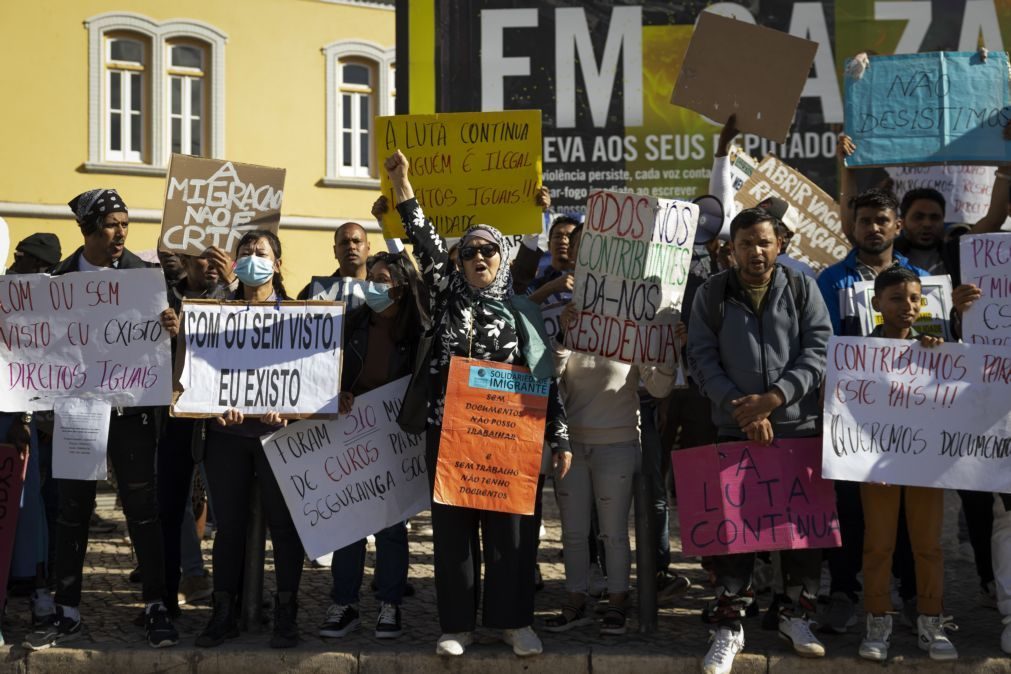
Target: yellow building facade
pixel 100 93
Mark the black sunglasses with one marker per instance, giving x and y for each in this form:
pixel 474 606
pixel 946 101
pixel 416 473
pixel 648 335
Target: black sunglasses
pixel 487 251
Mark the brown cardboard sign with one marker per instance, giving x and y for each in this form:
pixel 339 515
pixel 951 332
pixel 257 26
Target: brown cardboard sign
pixel 813 216
pixel 213 202
pixel 736 67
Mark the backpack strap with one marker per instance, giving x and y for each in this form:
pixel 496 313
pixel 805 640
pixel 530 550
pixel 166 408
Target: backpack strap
pixel 798 288
pixel 716 295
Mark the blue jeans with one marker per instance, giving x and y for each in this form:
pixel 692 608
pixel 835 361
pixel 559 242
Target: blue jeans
pixel 348 567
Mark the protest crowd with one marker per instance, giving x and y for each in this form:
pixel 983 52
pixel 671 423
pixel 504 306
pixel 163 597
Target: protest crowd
pixel 510 374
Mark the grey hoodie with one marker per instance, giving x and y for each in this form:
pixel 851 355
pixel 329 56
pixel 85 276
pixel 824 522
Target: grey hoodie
pixel 783 347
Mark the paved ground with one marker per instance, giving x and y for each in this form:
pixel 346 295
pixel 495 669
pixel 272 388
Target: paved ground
pixel 113 644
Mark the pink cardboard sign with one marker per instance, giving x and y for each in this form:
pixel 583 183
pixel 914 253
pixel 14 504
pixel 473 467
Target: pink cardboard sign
pixel 741 497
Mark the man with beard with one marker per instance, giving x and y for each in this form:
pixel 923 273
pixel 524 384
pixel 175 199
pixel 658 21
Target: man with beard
pixel 922 212
pixel 876 226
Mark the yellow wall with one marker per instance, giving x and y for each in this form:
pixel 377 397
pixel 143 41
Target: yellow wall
pixel 275 109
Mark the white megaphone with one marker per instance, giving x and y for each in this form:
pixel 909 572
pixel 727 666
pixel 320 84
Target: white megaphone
pixel 712 223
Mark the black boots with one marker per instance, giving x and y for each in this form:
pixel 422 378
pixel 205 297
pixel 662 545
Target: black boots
pixel 223 624
pixel 285 626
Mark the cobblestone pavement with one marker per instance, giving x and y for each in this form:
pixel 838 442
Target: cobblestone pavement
pixel 111 602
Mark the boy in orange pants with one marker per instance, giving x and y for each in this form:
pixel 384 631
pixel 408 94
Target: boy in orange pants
pixel 897 298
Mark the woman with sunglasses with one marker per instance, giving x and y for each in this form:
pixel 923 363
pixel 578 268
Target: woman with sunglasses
pixel 380 345
pixel 475 314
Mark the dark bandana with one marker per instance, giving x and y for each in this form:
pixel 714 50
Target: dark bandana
pixel 90 207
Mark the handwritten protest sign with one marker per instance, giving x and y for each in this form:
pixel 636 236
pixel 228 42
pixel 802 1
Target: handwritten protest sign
pixel 346 478
pixel 966 189
pixel 12 478
pixel 94 333
pixel 468 168
pixel 552 315
pixel 738 497
pixel 211 202
pixel 631 270
pixel 262 357
pixel 492 437
pixel 899 413
pixel 929 109
pixel 813 216
pixel 935 303
pixel 715 81
pixel 986 263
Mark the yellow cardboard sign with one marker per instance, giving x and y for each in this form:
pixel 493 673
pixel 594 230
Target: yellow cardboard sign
pixel 467 168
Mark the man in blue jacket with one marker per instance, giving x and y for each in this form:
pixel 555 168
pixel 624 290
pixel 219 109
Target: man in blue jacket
pixel 875 227
pixel 756 348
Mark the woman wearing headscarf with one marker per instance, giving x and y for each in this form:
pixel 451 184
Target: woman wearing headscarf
pixel 474 314
pixel 234 458
pixel 380 345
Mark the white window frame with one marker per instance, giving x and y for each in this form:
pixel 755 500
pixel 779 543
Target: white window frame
pixel 187 76
pixel 126 70
pixel 379 60
pixel 158 35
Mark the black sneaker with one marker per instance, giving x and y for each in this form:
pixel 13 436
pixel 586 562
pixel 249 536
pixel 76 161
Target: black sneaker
pixel 340 619
pixel 59 630
pixel 160 632
pixel 388 623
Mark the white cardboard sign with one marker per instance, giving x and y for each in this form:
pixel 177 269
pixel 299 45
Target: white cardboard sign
pixel 273 357
pixel 986 263
pixel 349 477
pixel 95 333
pixel 899 413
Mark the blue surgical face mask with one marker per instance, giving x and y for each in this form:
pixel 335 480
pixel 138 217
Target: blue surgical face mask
pixel 254 271
pixel 377 296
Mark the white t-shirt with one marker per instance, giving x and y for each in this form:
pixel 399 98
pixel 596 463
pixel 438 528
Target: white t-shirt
pixel 84 265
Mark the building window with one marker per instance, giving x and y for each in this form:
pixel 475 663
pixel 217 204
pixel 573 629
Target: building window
pixel 124 99
pixel 155 88
pixel 187 94
pixel 359 88
pixel 357 97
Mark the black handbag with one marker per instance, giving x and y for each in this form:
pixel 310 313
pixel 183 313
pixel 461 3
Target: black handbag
pixel 413 417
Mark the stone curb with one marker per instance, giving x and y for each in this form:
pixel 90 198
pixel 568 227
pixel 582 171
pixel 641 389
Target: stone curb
pixel 482 659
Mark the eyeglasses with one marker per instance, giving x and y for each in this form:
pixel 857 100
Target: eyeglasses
pixel 488 250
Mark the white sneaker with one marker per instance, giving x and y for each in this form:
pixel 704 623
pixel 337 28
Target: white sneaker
pixel 797 631
pixel 1005 636
pixel 524 641
pixel 725 645
pixel 875 643
pixel 933 637
pixel 454 644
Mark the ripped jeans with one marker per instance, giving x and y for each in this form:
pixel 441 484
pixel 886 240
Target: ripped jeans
pixel 132 442
pixel 604 473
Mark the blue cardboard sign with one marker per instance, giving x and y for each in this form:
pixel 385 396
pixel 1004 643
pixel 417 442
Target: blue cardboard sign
pixel 929 109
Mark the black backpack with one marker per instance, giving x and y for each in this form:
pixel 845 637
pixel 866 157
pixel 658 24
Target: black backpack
pixel 716 295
